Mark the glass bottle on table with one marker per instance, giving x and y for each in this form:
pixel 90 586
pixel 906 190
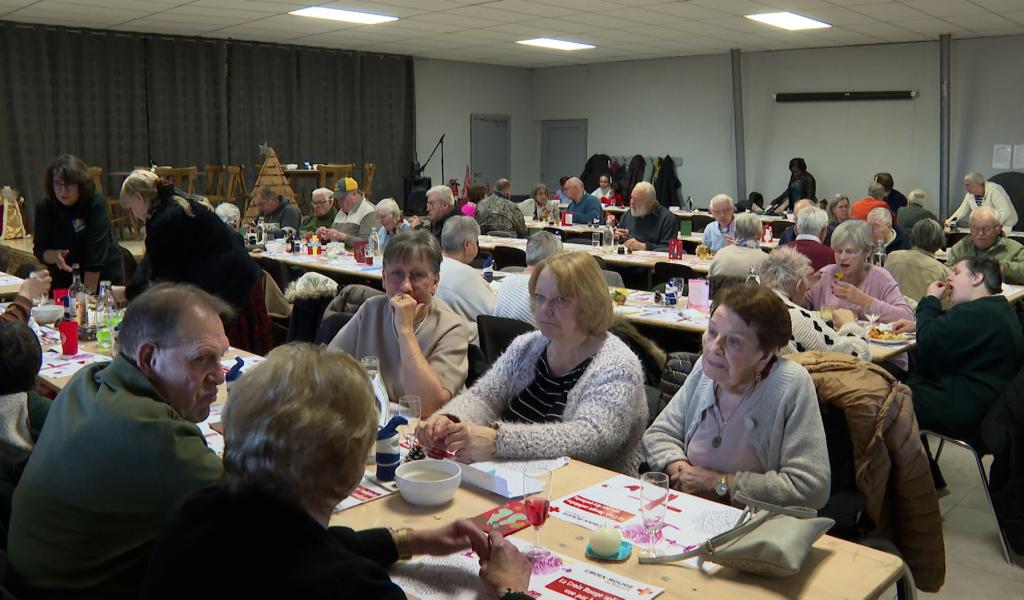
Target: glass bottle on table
pixel 106 306
pixel 373 244
pixel 78 297
pixel 878 257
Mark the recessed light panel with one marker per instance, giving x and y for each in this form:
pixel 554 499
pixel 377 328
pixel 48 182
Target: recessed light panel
pixel 789 21
pixel 556 44
pixel 348 16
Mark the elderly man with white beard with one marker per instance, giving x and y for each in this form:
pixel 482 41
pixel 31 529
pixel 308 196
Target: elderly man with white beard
pixel 647 225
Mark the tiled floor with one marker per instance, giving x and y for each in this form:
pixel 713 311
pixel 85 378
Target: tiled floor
pixel 975 568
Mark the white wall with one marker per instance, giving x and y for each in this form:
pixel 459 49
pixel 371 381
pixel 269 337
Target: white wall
pixel 679 106
pixel 986 106
pixel 844 143
pixel 447 93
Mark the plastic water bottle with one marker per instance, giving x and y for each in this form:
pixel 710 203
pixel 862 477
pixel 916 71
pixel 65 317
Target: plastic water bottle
pixel 671 292
pixel 489 269
pixel 105 307
pixel 373 244
pixel 609 237
pixel 689 203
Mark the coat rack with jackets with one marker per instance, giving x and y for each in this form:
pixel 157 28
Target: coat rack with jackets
pixel 629 171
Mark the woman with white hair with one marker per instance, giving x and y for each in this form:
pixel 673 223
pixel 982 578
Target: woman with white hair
pixel 297 428
pixel 391 221
pixel 737 259
pixel 787 272
pixel 230 214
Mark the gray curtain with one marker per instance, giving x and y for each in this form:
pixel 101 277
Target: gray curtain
pixel 77 91
pixel 119 100
pixel 187 97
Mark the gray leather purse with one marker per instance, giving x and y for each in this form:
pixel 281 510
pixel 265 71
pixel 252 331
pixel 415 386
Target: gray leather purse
pixel 767 540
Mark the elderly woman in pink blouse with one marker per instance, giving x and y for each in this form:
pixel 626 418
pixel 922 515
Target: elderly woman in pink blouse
pixel 855 284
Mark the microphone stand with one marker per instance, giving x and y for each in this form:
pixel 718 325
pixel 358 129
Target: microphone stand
pixel 439 144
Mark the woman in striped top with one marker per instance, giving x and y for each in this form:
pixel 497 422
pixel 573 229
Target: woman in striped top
pixel 570 389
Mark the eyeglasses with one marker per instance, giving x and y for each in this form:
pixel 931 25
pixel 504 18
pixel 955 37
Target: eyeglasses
pixel 983 229
pixel 417 278
pixel 321 202
pixel 63 185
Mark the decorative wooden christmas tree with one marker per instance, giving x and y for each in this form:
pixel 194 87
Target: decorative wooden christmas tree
pixel 13 224
pixel 271 174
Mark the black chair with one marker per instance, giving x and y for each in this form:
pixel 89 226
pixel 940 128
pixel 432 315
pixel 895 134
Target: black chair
pixel 1013 183
pixel 780 227
pixel 600 262
pixel 496 333
pixel 501 234
pixel 555 231
pixel 663 271
pixel 700 221
pixel 613 278
pixel 130 264
pixel 277 270
pixel 508 256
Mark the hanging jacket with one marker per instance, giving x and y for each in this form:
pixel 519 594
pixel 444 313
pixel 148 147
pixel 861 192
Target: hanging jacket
pixel 891 466
pixel 597 165
pixel 667 184
pixel 1002 432
pixel 633 175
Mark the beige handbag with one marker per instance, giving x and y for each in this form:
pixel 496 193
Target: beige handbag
pixel 767 540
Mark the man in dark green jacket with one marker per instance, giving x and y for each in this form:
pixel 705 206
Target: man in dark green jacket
pixel 120 447
pixel 324 211
pixel 967 355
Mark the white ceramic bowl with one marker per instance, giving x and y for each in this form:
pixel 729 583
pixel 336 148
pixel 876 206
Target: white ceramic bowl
pixel 291 166
pixel 428 482
pixel 47 313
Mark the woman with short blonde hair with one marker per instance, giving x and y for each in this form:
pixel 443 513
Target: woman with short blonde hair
pixel 297 429
pixel 186 243
pixel 391 222
pixel 570 389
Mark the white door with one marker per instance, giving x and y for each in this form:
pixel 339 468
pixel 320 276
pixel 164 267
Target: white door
pixel 490 146
pixel 563 150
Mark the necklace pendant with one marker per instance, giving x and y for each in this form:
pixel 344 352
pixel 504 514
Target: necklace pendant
pixel 716 441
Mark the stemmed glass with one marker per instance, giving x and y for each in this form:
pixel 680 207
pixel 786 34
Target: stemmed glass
pixel 409 407
pixel 654 495
pixel 370 364
pixel 871 317
pixel 537 502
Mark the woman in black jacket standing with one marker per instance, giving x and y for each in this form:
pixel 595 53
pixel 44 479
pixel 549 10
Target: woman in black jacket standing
pixel 801 185
pixel 73 226
pixel 186 242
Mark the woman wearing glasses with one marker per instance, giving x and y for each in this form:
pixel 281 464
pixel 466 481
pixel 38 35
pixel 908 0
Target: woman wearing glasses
pixel 73 226
pixel 420 341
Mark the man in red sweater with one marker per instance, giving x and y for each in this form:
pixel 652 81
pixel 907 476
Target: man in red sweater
pixel 875 199
pixel 811 228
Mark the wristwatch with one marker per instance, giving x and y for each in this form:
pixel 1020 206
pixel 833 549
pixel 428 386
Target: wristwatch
pixel 722 486
pixel 402 543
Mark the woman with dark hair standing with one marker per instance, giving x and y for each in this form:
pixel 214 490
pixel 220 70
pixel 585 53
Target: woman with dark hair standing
pixel 187 243
pixel 801 185
pixel 73 226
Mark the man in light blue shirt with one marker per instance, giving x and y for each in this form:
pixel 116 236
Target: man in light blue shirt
pixel 721 232
pixel 583 207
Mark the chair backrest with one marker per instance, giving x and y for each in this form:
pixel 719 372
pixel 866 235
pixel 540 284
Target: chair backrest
pixel 183 177
pixel 500 233
pixel 215 180
pixel 369 169
pixel 329 174
pixel 342 308
pixel 96 174
pixel 496 333
pixel 779 227
pixel 663 271
pixel 507 256
pixel 613 278
pixel 1013 183
pixel 700 221
pixel 130 264
pixel 600 262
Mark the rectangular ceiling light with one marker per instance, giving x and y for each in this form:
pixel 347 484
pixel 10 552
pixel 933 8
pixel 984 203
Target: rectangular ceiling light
pixel 336 14
pixel 788 20
pixel 556 44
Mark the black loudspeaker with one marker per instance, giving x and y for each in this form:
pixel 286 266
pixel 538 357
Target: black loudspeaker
pixel 416 195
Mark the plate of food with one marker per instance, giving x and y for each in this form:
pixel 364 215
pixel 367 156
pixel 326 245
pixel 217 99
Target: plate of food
pixel 886 337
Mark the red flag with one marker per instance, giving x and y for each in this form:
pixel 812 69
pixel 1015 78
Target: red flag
pixel 466 183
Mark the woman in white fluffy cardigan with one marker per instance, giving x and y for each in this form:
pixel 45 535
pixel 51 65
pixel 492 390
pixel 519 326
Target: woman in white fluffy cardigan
pixel 571 389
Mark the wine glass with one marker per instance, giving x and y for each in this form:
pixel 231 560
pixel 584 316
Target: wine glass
pixel 654 497
pixel 537 493
pixel 871 317
pixel 370 364
pixel 409 407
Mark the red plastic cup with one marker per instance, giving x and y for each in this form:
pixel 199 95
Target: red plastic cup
pixel 59 293
pixel 68 337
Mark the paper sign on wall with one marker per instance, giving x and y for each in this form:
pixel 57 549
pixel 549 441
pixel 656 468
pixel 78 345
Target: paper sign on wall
pixel 1018 157
pixel 1001 156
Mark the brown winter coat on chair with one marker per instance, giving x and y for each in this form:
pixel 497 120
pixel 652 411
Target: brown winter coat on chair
pixel 890 462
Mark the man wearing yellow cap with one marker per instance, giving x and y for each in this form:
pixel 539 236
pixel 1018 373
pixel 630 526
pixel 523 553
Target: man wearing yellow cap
pixel 356 215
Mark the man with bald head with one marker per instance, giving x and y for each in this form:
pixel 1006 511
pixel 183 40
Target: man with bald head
pixel 987 239
pixel 583 207
pixel 497 213
pixel 789 235
pixel 647 225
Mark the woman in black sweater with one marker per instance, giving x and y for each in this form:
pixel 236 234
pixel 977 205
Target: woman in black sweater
pixel 188 243
pixel 73 226
pixel 297 430
pixel 801 185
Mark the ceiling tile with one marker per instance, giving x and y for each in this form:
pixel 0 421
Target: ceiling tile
pixel 945 8
pixel 979 23
pixel 889 11
pixel 928 26
pixel 736 7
